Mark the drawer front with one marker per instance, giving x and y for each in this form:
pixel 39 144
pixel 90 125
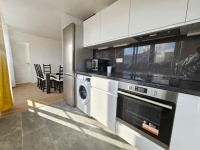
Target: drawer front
pixel 134 138
pixel 110 86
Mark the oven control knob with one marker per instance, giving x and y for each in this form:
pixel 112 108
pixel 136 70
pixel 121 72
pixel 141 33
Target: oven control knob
pixel 155 93
pixel 130 87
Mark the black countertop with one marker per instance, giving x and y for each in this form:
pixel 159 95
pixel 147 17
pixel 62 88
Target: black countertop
pixel 128 79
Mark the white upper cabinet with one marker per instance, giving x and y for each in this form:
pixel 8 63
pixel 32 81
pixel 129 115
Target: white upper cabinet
pixel 193 10
pixel 148 15
pixel 115 21
pixel 91 29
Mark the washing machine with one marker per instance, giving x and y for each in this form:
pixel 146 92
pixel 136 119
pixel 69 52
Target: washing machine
pixel 83 87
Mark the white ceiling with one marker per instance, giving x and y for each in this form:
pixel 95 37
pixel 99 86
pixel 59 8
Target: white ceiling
pixel 43 17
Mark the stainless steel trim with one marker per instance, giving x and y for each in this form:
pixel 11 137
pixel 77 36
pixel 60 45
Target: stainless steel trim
pixel 151 92
pixel 69 49
pixel 68 74
pixel 100 90
pixel 146 100
pixel 193 33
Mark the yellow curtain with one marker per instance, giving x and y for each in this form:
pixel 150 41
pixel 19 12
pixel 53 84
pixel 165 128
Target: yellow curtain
pixel 5 93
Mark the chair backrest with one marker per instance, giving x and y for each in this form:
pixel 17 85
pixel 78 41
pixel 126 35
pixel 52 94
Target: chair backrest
pixel 60 72
pixel 36 69
pixel 46 68
pixel 41 74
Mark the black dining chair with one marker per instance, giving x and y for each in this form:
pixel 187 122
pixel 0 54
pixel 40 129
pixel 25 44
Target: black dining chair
pixel 42 78
pixel 58 80
pixel 47 69
pixel 37 73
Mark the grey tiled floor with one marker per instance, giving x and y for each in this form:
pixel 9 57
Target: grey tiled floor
pixel 56 127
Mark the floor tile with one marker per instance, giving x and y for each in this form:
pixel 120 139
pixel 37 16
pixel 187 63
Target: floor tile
pixel 11 133
pixel 38 140
pixel 10 124
pixel 31 122
pixel 12 141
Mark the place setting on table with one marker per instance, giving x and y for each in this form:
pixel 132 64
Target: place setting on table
pixel 46 79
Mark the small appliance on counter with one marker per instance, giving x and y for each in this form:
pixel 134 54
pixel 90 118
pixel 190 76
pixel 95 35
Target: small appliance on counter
pixel 109 70
pixel 97 65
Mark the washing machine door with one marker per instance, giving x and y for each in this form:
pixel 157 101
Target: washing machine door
pixel 83 94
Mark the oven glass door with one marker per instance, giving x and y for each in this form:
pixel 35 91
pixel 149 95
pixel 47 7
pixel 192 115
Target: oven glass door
pixel 150 118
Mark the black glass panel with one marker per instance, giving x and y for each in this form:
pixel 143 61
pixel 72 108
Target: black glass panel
pixel 143 111
pixel 124 60
pixel 163 59
pixel 108 54
pixel 173 62
pixel 141 66
pixel 188 64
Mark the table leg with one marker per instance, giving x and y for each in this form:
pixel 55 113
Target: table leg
pixel 48 83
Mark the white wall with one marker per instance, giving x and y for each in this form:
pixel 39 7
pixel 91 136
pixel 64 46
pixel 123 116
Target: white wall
pixel 39 50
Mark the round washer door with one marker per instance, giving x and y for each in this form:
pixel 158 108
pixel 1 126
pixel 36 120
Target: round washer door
pixel 83 93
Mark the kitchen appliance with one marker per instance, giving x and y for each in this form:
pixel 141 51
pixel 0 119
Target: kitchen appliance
pixel 100 65
pixel 109 70
pixel 148 109
pixel 88 65
pixel 83 87
pixel 73 59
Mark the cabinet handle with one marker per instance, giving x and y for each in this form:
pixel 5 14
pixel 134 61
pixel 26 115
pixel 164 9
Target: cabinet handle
pixel 102 91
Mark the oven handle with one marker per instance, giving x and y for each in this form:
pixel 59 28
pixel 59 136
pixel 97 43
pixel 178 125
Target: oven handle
pixel 146 100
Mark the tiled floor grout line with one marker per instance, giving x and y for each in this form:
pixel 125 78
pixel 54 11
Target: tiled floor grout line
pixel 51 137
pixel 22 131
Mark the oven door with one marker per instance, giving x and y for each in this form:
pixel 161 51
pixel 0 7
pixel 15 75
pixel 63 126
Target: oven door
pixel 150 116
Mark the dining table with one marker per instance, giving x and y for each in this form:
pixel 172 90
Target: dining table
pixel 49 77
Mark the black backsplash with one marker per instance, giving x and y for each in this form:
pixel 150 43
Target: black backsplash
pixel 173 62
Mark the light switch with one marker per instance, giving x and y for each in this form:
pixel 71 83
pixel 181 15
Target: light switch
pixel 119 60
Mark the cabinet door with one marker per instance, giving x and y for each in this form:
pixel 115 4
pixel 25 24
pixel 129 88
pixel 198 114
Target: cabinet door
pixel 103 107
pixel 149 15
pixel 115 20
pixel 92 30
pixel 186 123
pixel 193 10
pixel 110 86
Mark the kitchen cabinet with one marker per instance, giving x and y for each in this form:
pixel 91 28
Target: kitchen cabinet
pixel 186 127
pixel 91 29
pixel 104 101
pixel 139 141
pixel 193 10
pixel 148 15
pixel 115 21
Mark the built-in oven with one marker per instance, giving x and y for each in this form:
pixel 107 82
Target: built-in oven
pixel 148 109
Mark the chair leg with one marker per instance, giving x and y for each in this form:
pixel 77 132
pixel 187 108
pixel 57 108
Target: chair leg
pixel 40 84
pixel 59 87
pixel 43 85
pixel 55 85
